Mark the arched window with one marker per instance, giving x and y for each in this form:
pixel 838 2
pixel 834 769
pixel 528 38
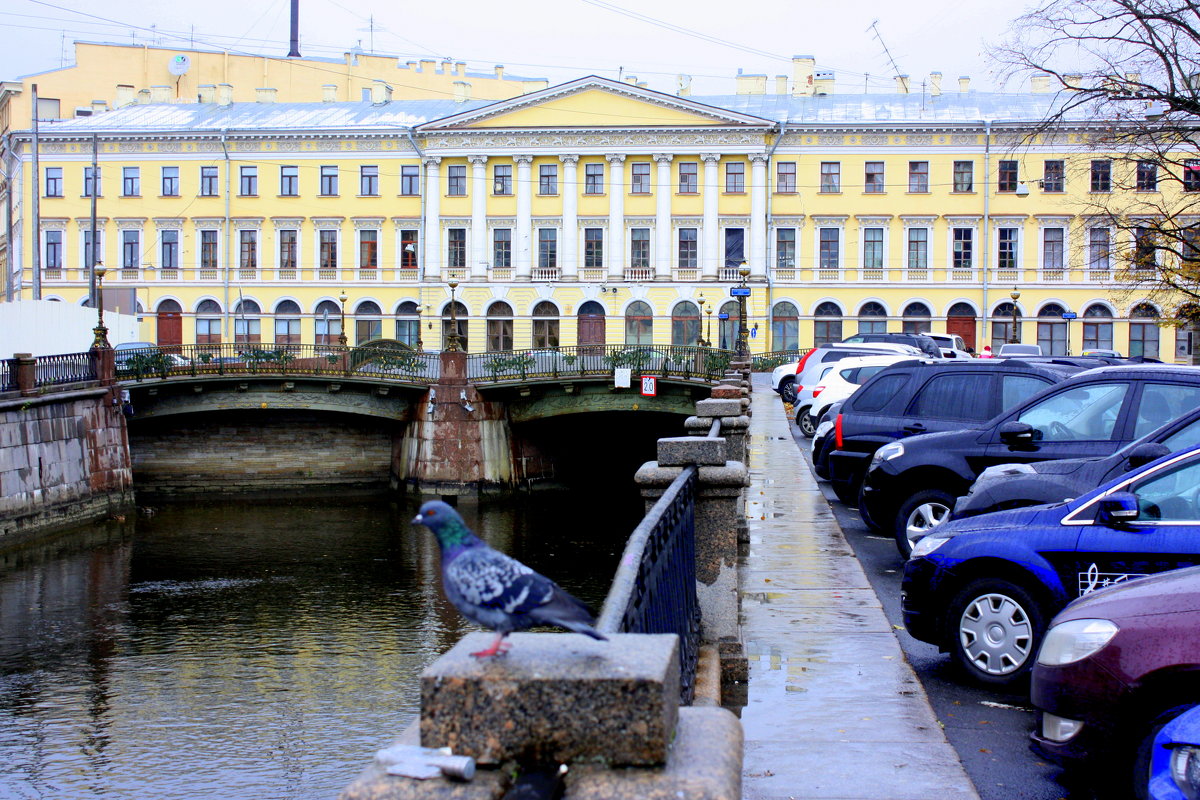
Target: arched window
pixel 685 323
pixel 408 324
pixel 499 327
pixel 208 322
pixel 1052 330
pixel 247 326
pixel 1143 336
pixel 639 323
pixel 872 318
pixel 170 307
pixel 1002 325
pixel 368 322
pixel 827 324
pixel 785 327
pixel 916 318
pixel 1097 327
pixel 545 326
pixel 456 322
pixel 727 325
pixel 329 323
pixel 287 322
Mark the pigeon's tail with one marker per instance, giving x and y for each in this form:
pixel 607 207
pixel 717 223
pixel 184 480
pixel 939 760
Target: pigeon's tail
pixel 567 612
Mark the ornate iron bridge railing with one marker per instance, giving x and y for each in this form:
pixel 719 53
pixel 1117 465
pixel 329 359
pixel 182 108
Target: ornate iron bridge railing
pixel 667 361
pixel 765 362
pixel 66 368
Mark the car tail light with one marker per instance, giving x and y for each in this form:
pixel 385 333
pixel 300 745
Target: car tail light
pixel 817 390
pixel 837 431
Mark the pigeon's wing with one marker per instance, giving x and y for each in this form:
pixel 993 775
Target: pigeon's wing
pixel 489 579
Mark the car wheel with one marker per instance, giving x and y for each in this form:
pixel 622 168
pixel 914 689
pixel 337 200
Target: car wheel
pixel 805 421
pixel 787 389
pixel 995 629
pixel 1139 773
pixel 919 515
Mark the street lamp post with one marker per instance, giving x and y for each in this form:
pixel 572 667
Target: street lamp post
pixel 743 340
pixel 342 330
pixel 1015 294
pixel 452 340
pixel 420 346
pixel 708 324
pixel 100 342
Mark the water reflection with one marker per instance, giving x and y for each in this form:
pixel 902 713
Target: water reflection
pixel 244 649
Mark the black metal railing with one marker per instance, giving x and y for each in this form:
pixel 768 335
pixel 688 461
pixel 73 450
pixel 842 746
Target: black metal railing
pixel 765 362
pixel 8 375
pixel 62 369
pixel 674 361
pixel 654 590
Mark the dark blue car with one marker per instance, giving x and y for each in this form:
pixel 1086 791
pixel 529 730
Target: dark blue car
pixel 984 588
pixel 1175 761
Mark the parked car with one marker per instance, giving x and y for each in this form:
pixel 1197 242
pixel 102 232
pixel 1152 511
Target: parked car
pixel 1175 759
pixel 1097 351
pixel 1113 669
pixel 1029 484
pixel 914 397
pixel 841 381
pixel 145 357
pixel 1018 350
pixel 911 486
pixel 920 341
pixel 985 588
pixel 823 441
pixel 951 345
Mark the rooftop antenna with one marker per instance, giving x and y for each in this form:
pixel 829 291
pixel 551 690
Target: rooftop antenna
pixel 874 28
pixel 370 29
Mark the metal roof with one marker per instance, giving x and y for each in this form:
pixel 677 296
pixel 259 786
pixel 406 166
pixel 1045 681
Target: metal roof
pixel 892 107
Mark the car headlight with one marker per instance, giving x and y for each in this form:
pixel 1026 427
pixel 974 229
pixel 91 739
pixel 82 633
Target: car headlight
pixel 1006 471
pixel 887 453
pixel 1185 770
pixel 1075 640
pixel 927 544
pixel 825 427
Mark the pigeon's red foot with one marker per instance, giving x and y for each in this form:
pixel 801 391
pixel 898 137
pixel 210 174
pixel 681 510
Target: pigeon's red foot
pixel 498 648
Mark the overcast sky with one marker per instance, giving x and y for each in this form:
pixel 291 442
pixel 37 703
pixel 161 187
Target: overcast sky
pixel 555 39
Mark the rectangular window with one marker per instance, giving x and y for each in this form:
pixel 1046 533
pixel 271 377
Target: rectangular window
pixel 918 248
pixel 368 181
pixel 54 182
pixel 785 248
pixel 92 182
pixel 688 258
pixel 639 177
pixel 502 179
pixel 964 254
pixel 131 249
pixel 1147 176
pixel 918 176
pixel 548 179
pixel 408 249
pixel 456 247
pixel 329 181
pixel 410 181
pixel 830 246
pixel 735 177
pixel 872 248
pixel 248 250
pixel 248 182
pixel 689 177
pixel 54 250
pixel 456 180
pixel 502 248
pixel 1053 240
pixel 328 250
pixel 89 252
pixel 1006 248
pixel 831 176
pixel 964 176
pixel 593 247
pixel 168 249
pixel 1099 248
pixel 785 177
pixel 368 249
pixel 873 177
pixel 288 242
pixel 547 248
pixel 289 181
pixel 1191 175
pixel 1054 176
pixel 208 182
pixel 131 181
pixel 1145 250
pixel 209 254
pixel 170 181
pixel 1007 177
pixel 593 179
pixel 1101 175
pixel 639 247
pixel 1143 339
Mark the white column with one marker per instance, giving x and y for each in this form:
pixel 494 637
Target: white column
pixel 523 255
pixel 615 248
pixel 570 217
pixel 479 189
pixel 662 218
pixel 431 248
pixel 756 256
pixel 712 255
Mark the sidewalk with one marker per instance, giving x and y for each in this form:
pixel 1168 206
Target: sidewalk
pixel 834 710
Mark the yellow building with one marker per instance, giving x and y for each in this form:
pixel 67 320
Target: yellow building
pixel 589 211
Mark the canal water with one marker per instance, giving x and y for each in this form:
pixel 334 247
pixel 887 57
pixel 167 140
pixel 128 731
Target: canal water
pixel 247 649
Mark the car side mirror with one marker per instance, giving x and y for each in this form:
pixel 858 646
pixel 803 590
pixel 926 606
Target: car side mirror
pixel 1145 453
pixel 1117 509
pixel 1016 434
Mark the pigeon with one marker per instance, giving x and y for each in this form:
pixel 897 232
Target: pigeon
pixel 494 590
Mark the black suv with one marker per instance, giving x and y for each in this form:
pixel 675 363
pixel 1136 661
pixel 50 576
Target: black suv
pixel 912 397
pixel 918 340
pixel 911 486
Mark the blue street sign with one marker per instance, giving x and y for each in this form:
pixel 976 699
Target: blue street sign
pixel 722 316
pixel 739 291
pixel 1069 315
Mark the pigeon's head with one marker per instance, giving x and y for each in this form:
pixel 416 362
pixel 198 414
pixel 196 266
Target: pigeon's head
pixel 445 522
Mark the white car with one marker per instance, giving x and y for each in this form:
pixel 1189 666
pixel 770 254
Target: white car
pixel 951 345
pixel 846 376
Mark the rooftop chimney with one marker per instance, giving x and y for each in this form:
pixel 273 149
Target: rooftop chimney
pixel 1074 81
pixel 224 94
pixel 499 71
pixel 446 65
pixel 207 92
pixel 751 84
pixel 935 83
pixel 803 81
pixel 964 84
pixel 781 84
pixel 684 82
pixel 631 80
pixel 462 91
pixel 460 68
pixel 125 96
pixel 265 94
pixel 329 93
pixel 380 92
pixel 426 65
pixel 99 107
pixel 822 82
pixel 160 94
pixel 901 84
pixel 1039 84
pixel 143 96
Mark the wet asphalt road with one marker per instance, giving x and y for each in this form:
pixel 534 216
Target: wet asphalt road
pixel 988 729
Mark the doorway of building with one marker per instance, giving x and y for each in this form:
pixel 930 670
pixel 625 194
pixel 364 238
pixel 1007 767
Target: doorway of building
pixel 591 325
pixel 169 324
pixel 960 320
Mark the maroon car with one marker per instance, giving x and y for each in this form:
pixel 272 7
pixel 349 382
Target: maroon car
pixel 1114 667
